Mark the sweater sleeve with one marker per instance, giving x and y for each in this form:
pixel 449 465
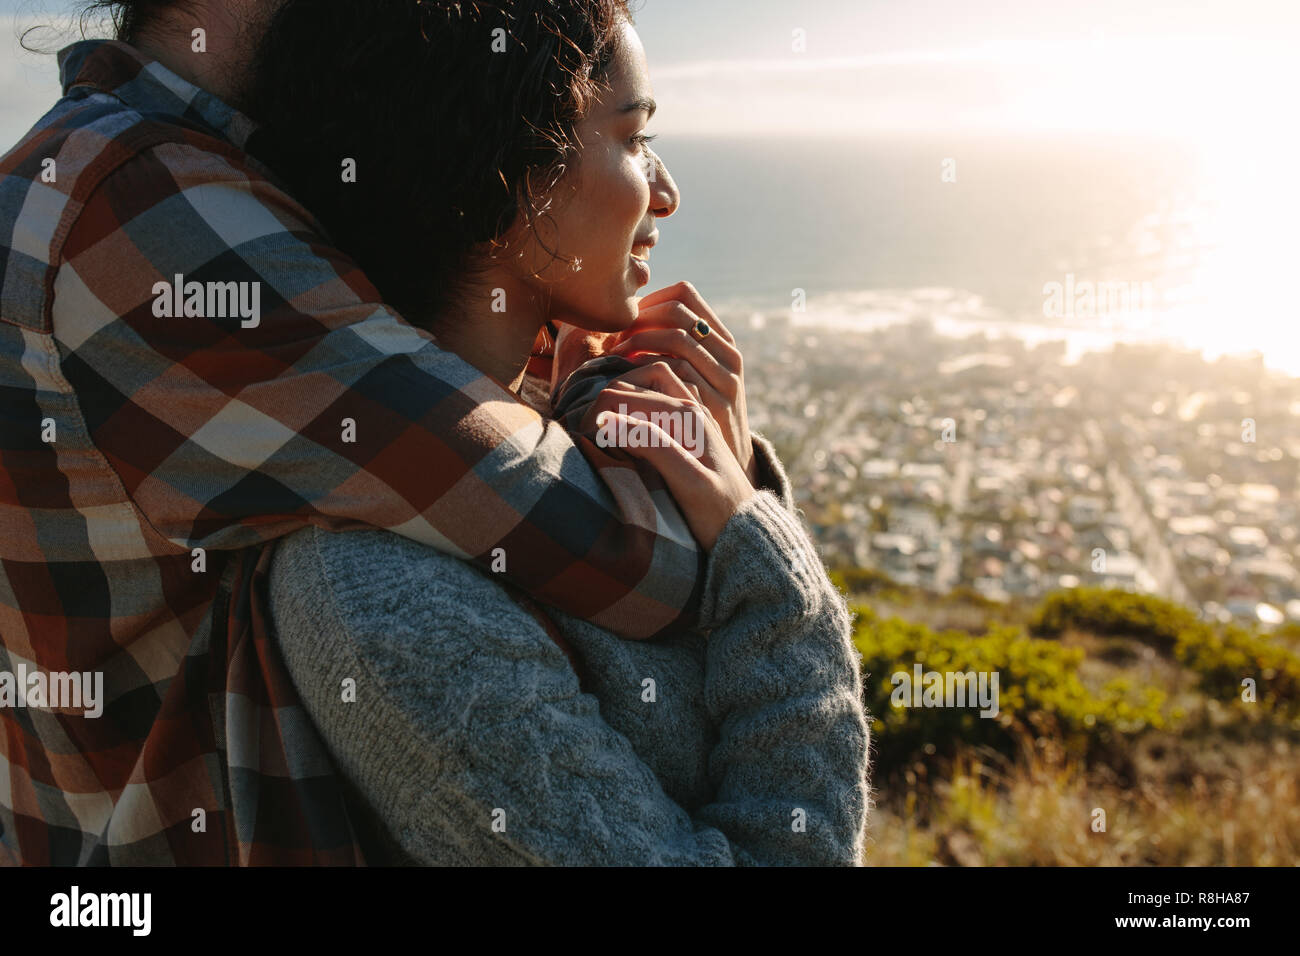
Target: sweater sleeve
pixel 771 473
pixel 472 743
pixel 783 682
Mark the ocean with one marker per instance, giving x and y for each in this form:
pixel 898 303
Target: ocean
pixel 1092 240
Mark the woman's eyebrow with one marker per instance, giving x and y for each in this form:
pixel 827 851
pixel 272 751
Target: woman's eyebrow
pixel 641 103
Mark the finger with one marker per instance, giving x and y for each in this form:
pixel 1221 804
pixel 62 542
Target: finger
pixel 686 294
pixel 691 380
pixel 661 315
pixel 628 398
pixel 675 315
pixel 685 425
pixel 660 449
pixel 656 376
pixel 688 420
pixel 679 343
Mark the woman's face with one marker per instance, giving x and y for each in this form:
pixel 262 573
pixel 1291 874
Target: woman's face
pixel 604 209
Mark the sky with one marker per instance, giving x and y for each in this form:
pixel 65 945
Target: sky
pixel 1194 68
pixel 1217 75
pixel 1167 66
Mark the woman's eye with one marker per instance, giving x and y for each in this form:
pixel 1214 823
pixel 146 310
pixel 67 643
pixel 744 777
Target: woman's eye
pixel 641 140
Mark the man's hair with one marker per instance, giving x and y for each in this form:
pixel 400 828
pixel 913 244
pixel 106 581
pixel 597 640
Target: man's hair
pixel 460 117
pixel 128 16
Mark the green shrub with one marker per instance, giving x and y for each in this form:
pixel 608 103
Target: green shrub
pixel 1039 690
pixel 1149 619
pixel 1221 657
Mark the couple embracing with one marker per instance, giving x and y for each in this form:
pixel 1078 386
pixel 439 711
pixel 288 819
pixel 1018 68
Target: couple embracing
pixel 364 582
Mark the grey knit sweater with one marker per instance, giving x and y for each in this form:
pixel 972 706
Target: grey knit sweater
pixel 469 741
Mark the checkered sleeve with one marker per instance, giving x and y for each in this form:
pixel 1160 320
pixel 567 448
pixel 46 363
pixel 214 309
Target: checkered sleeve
pixel 243 379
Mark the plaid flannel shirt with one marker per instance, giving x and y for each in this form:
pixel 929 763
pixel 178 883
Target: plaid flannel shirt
pixel 147 461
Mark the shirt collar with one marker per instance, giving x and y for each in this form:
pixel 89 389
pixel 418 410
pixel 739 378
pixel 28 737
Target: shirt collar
pixel 148 87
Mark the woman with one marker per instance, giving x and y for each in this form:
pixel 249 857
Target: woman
pixel 452 709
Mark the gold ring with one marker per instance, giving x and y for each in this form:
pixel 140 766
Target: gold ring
pixel 701 329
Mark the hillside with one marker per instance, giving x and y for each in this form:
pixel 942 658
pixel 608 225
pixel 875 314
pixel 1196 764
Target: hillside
pixel 1128 731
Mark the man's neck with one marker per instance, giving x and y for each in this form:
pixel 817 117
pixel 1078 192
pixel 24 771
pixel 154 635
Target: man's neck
pixel 222 57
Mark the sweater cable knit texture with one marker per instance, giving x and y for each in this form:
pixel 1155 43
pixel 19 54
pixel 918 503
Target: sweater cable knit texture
pixel 470 742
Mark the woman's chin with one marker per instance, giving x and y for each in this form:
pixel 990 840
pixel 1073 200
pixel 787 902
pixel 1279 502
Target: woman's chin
pixel 622 313
pixel 617 318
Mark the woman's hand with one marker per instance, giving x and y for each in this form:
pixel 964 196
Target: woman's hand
pixel 710 368
pixel 680 439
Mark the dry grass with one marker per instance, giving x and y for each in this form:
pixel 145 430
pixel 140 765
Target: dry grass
pixel 983 809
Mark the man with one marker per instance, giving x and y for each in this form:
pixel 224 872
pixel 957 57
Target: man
pixel 188 371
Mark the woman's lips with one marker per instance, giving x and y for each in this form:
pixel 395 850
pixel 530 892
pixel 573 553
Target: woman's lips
pixel 640 260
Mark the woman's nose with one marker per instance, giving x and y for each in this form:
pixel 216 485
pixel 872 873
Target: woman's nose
pixel 664 197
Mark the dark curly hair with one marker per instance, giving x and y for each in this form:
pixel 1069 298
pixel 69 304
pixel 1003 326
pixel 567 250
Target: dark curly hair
pixel 129 17
pixel 460 117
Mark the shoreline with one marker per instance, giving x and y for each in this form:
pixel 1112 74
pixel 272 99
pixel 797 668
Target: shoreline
pixel 959 314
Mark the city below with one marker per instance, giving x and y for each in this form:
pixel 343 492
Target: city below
pixel 989 465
